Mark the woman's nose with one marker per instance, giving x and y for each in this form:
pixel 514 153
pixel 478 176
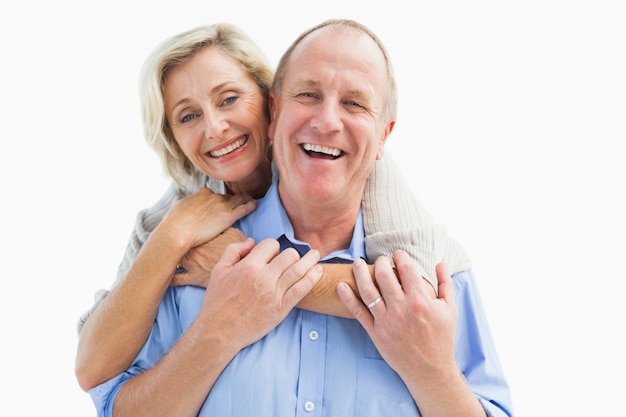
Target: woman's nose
pixel 215 123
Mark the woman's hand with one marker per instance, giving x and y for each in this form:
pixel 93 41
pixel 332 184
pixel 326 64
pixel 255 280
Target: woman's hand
pixel 199 218
pixel 199 261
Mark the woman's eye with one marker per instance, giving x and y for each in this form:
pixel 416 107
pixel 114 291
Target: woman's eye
pixel 188 118
pixel 230 100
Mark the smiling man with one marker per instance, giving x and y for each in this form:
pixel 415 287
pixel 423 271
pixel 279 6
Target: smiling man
pixel 329 127
pixel 333 107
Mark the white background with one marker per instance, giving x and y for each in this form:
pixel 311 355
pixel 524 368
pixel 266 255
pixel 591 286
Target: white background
pixel 511 132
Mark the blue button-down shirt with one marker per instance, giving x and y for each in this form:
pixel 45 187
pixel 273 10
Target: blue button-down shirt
pixel 313 364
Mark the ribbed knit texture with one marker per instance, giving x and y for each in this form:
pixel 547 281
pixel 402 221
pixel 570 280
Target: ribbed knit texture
pixel 393 219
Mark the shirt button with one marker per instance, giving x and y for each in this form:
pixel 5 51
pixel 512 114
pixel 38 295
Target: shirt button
pixel 309 406
pixel 313 335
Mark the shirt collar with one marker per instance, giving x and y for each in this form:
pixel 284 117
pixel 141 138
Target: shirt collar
pixel 270 220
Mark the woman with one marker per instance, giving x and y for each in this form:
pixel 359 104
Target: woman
pixel 204 96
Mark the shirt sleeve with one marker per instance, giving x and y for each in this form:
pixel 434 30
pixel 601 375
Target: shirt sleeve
pixel 166 331
pixel 476 354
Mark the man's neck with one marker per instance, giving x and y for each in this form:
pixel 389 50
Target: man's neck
pixel 323 228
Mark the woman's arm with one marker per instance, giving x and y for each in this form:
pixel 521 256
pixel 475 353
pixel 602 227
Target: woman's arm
pixel 393 219
pixel 199 262
pixel 147 220
pixel 119 326
pixel 324 299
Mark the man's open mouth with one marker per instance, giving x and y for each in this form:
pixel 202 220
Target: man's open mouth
pixel 318 151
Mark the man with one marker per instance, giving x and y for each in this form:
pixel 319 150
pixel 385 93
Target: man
pixel 240 349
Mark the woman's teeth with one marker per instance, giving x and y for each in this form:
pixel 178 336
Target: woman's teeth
pixel 228 149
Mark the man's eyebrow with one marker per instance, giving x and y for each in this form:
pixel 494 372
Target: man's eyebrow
pixel 358 93
pixel 305 82
pixel 300 85
pixel 354 92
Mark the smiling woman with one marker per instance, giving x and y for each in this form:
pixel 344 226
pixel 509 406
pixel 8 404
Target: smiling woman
pixel 196 97
pixel 220 122
pixel 187 114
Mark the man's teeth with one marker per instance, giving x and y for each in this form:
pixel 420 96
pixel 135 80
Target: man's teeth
pixel 225 151
pixel 321 149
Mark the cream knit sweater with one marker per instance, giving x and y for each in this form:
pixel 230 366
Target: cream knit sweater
pixel 393 219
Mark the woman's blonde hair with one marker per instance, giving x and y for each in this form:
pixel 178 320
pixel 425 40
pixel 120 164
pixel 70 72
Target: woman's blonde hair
pixel 178 50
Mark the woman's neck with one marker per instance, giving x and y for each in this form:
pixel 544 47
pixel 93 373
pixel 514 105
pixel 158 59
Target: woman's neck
pixel 255 185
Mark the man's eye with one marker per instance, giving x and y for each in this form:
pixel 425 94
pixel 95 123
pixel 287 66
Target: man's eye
pixel 188 118
pixel 354 104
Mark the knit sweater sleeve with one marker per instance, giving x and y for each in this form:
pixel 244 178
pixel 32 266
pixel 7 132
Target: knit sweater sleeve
pixel 145 223
pixel 393 219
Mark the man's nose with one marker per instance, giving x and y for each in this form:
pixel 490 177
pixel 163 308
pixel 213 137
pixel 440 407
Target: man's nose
pixel 327 117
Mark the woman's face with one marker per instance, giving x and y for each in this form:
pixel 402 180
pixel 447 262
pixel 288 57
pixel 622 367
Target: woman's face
pixel 217 115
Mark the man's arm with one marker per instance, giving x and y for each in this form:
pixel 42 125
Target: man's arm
pixel 251 290
pixel 416 335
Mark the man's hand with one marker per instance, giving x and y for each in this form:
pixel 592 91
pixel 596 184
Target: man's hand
pixel 253 288
pixel 413 331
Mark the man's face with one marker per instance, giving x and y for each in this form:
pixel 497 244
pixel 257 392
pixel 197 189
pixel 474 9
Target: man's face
pixel 326 126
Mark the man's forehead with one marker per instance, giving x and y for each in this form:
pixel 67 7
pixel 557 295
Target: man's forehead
pixel 328 36
pixel 339 44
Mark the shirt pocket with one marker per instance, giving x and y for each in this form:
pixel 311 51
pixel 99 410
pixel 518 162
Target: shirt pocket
pixel 381 392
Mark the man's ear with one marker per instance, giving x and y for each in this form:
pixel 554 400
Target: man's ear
pixel 383 139
pixel 273 109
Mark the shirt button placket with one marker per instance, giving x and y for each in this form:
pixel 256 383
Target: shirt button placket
pixel 309 406
pixel 311 374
